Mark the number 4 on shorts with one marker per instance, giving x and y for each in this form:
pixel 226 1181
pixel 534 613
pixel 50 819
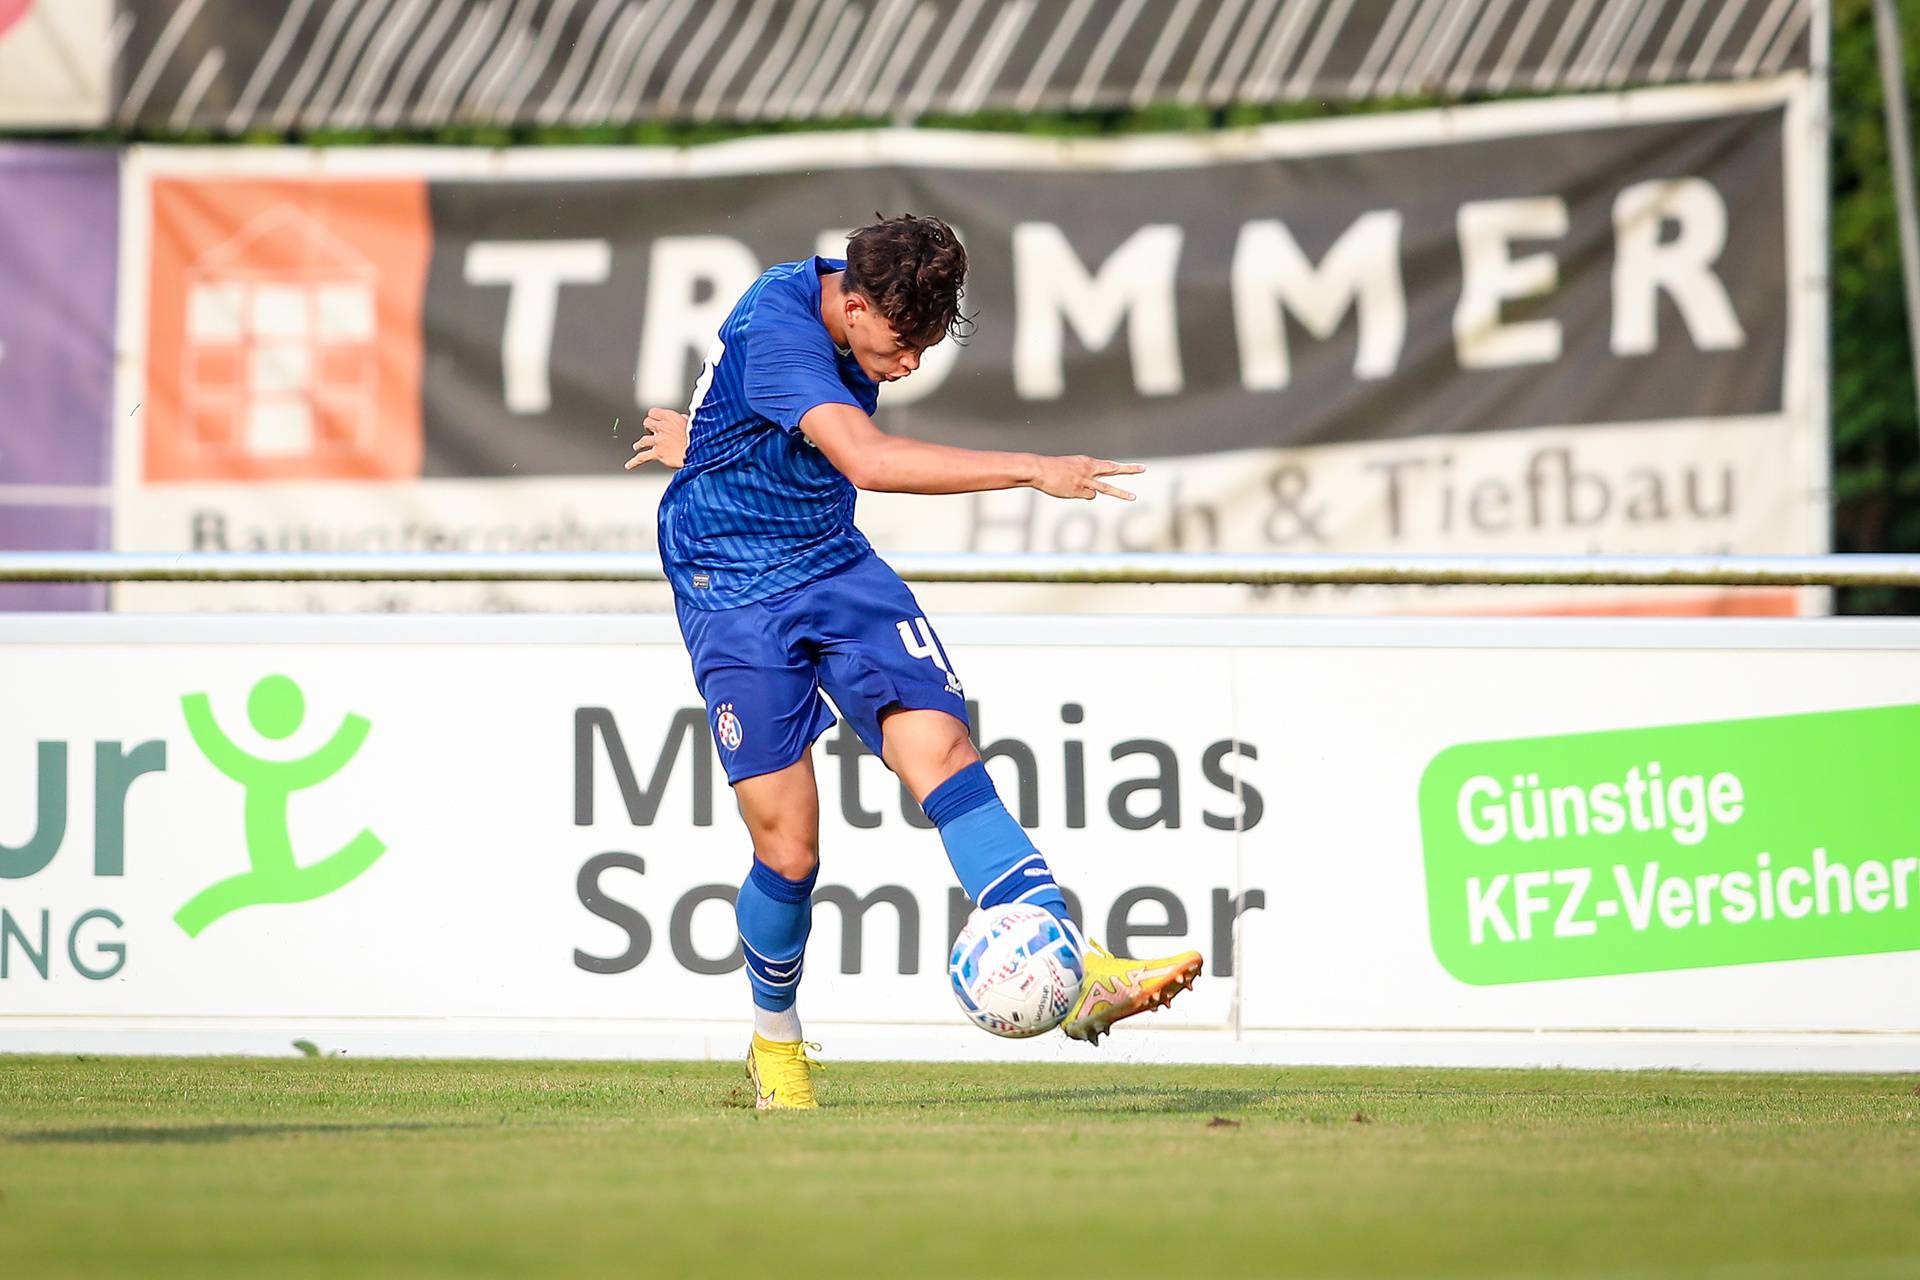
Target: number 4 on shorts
pixel 923 645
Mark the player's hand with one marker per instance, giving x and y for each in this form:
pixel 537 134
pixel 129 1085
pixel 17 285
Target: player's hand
pixel 1081 477
pixel 663 439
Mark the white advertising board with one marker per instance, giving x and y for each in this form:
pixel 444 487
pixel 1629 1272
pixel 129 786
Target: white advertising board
pixel 510 836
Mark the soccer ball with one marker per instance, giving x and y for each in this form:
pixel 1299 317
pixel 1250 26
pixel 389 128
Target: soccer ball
pixel 1015 970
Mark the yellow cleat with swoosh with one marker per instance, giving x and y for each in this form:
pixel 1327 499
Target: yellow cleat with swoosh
pixel 782 1074
pixel 1117 988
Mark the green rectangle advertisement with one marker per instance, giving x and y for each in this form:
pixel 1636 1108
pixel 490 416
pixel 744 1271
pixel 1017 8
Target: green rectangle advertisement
pixel 1683 847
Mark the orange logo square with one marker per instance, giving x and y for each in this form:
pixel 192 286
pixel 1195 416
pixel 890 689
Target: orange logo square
pixel 284 329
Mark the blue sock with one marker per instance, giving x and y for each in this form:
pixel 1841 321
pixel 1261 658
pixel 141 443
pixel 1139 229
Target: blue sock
pixel 775 915
pixel 990 852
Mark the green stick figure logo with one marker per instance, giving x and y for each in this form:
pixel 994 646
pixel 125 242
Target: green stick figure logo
pixel 276 708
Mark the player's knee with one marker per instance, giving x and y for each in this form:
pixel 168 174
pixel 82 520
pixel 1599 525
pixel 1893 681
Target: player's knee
pixel 793 859
pixel 955 754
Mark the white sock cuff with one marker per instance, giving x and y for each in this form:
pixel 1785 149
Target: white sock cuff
pixel 781 1025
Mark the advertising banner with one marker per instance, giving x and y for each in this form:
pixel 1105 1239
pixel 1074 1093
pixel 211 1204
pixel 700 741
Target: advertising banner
pixel 1393 840
pixel 1689 848
pixel 237 66
pixel 1566 326
pixel 58 249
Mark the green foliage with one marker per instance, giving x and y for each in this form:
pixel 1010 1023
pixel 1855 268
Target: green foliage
pixel 1876 439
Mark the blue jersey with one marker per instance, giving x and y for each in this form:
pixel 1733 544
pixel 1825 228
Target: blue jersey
pixel 758 510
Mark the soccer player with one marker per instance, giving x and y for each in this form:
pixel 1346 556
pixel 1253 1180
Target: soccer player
pixel 781 598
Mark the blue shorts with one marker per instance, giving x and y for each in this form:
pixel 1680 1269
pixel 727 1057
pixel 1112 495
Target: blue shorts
pixel 857 635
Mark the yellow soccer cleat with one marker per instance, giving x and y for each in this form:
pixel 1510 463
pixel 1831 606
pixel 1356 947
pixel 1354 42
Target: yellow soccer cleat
pixel 1117 988
pixel 782 1074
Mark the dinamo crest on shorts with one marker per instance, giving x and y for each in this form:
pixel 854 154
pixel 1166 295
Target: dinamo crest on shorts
pixel 727 729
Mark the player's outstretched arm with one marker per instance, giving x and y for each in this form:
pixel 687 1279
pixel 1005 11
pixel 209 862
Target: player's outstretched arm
pixel 663 439
pixel 874 460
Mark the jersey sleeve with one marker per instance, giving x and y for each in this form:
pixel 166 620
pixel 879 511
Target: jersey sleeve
pixel 791 364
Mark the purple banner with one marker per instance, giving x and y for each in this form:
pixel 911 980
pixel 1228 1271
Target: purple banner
pixel 65 528
pixel 59 243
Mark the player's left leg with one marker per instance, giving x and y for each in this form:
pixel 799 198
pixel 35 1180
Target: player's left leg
pixel 998 864
pixel 991 855
pixel 887 672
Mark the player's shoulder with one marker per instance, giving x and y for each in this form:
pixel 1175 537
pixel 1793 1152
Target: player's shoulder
pixel 792 285
pixel 783 306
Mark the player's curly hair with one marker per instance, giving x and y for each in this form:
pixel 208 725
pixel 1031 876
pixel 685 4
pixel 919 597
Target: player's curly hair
pixel 912 270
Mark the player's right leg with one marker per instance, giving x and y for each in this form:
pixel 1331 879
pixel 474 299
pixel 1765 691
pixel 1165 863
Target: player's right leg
pixel 765 710
pixel 775 914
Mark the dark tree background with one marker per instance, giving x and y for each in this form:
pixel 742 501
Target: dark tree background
pixel 1876 451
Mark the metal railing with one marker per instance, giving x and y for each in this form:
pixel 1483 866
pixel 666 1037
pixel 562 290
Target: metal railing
pixel 1189 569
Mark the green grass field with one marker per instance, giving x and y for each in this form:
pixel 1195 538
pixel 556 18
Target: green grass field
pixel 199 1167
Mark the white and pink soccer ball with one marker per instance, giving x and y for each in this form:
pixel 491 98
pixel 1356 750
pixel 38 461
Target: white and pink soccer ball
pixel 1015 970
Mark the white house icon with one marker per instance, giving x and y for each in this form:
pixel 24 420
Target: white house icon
pixel 281 359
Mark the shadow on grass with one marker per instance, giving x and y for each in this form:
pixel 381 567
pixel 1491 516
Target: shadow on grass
pixel 136 1135
pixel 1125 1100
